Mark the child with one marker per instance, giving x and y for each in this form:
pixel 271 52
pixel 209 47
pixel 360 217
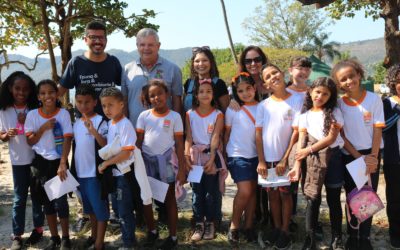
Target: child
pixel 119 126
pixel 49 161
pixel 391 157
pixel 363 112
pixel 18 96
pixel 275 118
pixel 89 133
pixel 319 127
pixel 160 135
pixel 242 154
pixel 204 126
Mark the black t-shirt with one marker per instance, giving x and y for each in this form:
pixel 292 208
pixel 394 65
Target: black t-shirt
pixel 100 75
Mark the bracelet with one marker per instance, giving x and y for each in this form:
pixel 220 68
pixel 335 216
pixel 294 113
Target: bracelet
pixel 311 151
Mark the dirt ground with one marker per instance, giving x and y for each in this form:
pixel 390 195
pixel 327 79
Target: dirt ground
pixel 379 234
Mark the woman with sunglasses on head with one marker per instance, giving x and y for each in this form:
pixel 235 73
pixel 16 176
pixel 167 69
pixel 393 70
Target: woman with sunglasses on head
pixel 203 67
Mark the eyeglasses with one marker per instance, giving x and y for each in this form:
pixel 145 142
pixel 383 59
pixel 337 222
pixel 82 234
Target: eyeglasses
pixel 94 38
pixel 257 59
pixel 235 78
pixel 200 49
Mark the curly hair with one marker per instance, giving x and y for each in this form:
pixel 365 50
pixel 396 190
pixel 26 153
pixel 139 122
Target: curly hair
pixel 208 53
pixel 393 78
pixel 329 106
pixel 145 99
pixel 242 77
pixel 242 65
pixel 347 63
pixel 6 97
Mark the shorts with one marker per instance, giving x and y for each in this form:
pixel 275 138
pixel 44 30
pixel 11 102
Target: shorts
pixel 243 169
pixel 292 188
pixel 91 198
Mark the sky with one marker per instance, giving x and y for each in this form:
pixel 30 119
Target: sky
pixel 190 23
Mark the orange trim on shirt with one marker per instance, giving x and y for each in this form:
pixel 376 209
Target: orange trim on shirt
pixel 178 133
pixel 295 127
pixel 227 126
pixel 50 115
pixel 250 103
pixel 88 117
pixel 209 113
pixel 302 129
pixel 259 128
pixel 351 102
pixel 113 122
pixel 281 99
pixel 68 135
pixel 220 115
pixel 128 148
pixel 159 115
pixel 28 134
pixel 139 130
pixel 379 125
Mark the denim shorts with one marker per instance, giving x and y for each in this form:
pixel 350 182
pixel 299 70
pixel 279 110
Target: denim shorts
pixel 91 198
pixel 243 169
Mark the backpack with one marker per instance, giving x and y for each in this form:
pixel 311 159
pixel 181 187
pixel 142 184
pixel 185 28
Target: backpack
pixel 187 103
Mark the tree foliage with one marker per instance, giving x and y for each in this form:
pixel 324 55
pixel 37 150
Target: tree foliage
pixel 379 73
pixel 321 48
pixel 284 24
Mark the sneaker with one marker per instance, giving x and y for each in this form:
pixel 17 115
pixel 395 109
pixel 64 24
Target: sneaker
pixel 250 235
pixel 319 232
pixel 168 244
pixel 16 243
pixel 309 243
pixel 365 244
pixel 54 243
pixel 34 238
pixel 198 232
pixel 233 236
pixel 337 243
pixel 283 242
pixel 394 243
pixel 151 239
pixel 209 231
pixel 89 242
pixel 80 224
pixel 351 243
pixel 293 226
pixel 65 243
pixel 272 237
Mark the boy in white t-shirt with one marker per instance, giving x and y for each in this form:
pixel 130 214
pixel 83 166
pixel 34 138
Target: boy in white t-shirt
pixel 120 127
pixel 90 133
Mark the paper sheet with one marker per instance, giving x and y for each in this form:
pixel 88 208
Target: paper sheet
pixel 55 188
pixel 158 188
pixel 195 174
pixel 357 170
pixel 273 180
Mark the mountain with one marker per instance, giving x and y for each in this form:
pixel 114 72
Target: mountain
pixel 368 53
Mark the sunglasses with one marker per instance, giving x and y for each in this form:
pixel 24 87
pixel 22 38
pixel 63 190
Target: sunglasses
pixel 200 49
pixel 257 59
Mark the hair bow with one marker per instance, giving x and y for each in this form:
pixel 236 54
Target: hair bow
pixel 205 80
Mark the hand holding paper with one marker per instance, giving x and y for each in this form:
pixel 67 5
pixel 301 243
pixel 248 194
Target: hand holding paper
pixel 357 170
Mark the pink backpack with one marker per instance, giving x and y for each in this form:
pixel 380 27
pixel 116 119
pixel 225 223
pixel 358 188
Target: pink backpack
pixel 363 203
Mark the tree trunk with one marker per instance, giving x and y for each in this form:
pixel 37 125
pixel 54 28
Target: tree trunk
pixel 45 20
pixel 390 14
pixel 229 33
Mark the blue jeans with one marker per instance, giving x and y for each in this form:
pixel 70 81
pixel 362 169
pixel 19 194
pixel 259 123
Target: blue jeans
pixel 124 198
pixel 206 198
pixel 21 178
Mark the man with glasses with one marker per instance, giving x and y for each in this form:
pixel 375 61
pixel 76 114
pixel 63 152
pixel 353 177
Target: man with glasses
pixel 94 67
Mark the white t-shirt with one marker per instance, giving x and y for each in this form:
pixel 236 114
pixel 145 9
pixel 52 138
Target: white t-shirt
pixel 85 157
pixel 300 94
pixel 159 130
pixel 361 117
pixel 20 152
pixel 46 146
pixel 313 123
pixel 242 139
pixel 275 119
pixel 202 126
pixel 127 134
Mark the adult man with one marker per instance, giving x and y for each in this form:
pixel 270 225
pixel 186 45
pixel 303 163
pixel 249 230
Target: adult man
pixel 94 67
pixel 149 66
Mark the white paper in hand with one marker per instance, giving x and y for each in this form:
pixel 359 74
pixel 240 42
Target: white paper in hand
pixel 195 174
pixel 55 188
pixel 158 188
pixel 357 169
pixel 273 180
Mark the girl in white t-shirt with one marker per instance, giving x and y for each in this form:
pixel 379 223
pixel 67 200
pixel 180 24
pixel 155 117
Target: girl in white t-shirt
pixel 42 127
pixel 17 97
pixel 319 127
pixel 242 154
pixel 363 112
pixel 204 126
pixel 160 136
